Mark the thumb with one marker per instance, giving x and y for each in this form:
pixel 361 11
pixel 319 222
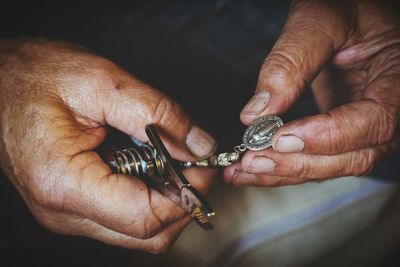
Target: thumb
pixel 133 105
pixel 313 31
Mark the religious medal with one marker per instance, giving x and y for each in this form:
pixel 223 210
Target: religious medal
pixel 258 136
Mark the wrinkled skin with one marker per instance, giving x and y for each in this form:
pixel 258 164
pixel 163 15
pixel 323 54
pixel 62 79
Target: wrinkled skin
pixel 349 51
pixel 56 99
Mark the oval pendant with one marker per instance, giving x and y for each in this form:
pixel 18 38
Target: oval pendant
pixel 259 134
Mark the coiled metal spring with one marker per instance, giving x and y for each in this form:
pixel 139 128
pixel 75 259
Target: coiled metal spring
pixel 141 160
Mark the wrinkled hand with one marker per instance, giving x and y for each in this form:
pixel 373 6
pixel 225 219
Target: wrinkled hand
pixel 56 99
pixel 350 53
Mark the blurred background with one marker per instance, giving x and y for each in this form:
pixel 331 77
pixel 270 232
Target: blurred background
pixel 206 55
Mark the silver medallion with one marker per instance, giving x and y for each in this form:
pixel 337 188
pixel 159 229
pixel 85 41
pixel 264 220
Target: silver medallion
pixel 259 134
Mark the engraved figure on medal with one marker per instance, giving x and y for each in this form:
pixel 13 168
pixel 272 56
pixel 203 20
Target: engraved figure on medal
pixel 259 134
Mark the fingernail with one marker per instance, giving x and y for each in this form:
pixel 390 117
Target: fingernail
pixel 257 104
pixel 289 143
pixel 200 143
pixel 244 178
pixel 262 165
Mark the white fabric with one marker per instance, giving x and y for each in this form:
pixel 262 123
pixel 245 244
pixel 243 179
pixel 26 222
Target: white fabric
pixel 316 223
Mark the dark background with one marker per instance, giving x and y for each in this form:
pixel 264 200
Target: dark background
pixel 205 54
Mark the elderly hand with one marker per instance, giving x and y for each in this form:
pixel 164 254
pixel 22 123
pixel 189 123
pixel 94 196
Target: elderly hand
pixel 56 100
pixel 350 53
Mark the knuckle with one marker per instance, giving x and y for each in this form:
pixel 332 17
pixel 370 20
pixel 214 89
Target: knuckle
pixel 161 245
pixel 387 128
pixel 49 192
pixel 283 69
pixel 301 169
pixel 97 71
pixel 281 63
pixel 339 131
pixel 382 126
pixel 144 226
pixel 362 163
pixel 166 112
pixel 101 69
pixel 280 72
pixel 151 227
pixel 328 133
